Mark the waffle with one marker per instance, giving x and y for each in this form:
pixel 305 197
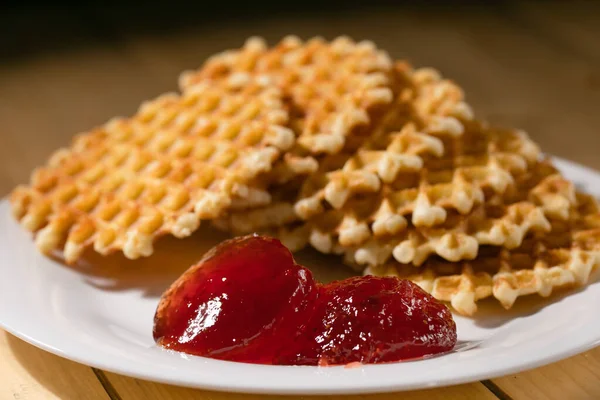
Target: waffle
pixel 369 231
pixel 274 215
pixel 436 210
pixel 243 219
pixel 429 151
pixel 561 259
pixel 332 87
pixel 396 132
pixel 179 160
pixel 284 183
pixel 291 233
pixel 459 238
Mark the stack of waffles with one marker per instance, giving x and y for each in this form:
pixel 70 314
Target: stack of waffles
pixel 331 145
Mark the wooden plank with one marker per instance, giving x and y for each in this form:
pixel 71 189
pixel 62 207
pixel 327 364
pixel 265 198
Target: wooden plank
pixel 130 388
pixel 572 27
pixel 530 86
pixel 27 372
pixel 575 378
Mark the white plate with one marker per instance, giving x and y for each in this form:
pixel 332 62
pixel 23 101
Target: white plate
pixel 102 316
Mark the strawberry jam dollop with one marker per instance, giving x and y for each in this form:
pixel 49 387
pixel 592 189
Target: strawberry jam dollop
pixel 373 320
pixel 237 303
pixel 248 301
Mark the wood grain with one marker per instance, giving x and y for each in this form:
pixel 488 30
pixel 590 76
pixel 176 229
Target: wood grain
pixel 574 378
pixel 28 373
pixel 131 388
pixel 574 30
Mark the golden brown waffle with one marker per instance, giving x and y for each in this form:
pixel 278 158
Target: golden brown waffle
pixel 422 191
pixel 276 220
pixel 279 212
pixel 395 146
pixel 284 182
pixel 563 258
pixel 457 239
pixel 426 150
pixel 274 215
pixel 179 160
pixel 427 208
pixel 369 231
pixel 333 87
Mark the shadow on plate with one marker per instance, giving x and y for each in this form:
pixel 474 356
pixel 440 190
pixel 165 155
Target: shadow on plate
pixel 152 274
pixel 172 257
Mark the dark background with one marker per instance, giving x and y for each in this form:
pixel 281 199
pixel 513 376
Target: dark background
pixel 31 27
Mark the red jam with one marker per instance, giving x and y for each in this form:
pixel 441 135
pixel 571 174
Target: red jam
pixel 248 301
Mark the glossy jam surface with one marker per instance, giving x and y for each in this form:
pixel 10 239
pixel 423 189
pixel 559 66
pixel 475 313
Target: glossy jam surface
pixel 248 301
pixel 236 303
pixel 374 320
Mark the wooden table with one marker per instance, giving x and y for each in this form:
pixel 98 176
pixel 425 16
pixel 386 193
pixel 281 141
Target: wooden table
pixel 530 65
